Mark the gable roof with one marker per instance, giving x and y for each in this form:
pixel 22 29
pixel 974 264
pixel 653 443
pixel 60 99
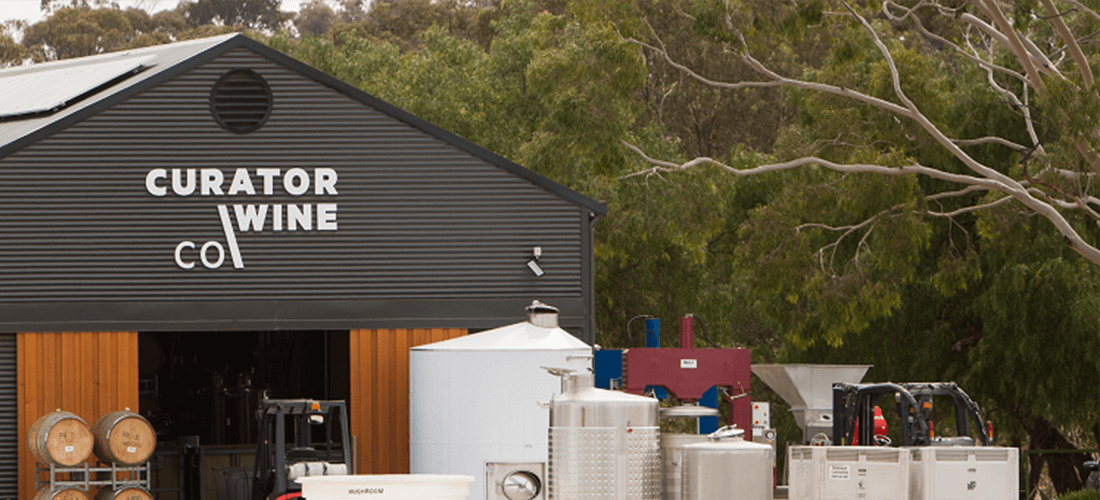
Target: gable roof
pixel 48 97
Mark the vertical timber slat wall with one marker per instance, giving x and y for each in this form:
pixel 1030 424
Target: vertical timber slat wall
pixel 87 373
pixel 380 394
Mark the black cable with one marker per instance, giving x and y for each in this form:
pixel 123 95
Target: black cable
pixel 703 330
pixel 630 336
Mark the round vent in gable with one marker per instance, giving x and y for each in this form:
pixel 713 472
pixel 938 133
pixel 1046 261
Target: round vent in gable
pixel 241 101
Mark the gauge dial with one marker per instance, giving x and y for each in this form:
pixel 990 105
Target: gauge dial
pixel 521 485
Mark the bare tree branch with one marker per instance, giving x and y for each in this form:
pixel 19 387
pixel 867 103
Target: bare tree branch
pixel 924 31
pixel 972 208
pixel 1071 43
pixel 664 166
pixel 985 178
pixel 954 194
pixel 991 140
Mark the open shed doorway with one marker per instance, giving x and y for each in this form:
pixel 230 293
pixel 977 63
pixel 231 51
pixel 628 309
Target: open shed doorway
pixel 207 384
pixel 201 391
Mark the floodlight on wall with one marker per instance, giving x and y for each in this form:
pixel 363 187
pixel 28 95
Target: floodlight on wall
pixel 533 264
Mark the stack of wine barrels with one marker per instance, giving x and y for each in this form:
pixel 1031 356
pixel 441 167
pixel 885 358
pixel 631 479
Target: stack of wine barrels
pixel 63 439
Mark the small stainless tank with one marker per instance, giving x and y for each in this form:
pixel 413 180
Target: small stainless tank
pixel 603 444
pixel 672 462
pixel 727 466
pixel 672 447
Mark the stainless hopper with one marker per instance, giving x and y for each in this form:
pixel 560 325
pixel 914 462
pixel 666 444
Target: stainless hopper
pixel 809 391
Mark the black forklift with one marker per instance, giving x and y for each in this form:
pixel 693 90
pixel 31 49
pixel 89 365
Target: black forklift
pixel 318 445
pixel 854 413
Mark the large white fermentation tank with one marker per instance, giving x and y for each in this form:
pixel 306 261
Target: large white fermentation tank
pixel 474 403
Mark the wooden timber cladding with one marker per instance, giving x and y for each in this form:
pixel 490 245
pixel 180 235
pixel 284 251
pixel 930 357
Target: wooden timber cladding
pixel 379 404
pixel 89 374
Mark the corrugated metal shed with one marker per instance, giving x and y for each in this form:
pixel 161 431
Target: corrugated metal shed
pixel 430 230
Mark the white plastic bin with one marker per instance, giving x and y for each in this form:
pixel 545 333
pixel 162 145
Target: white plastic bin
pixel 849 473
pixel 387 487
pixel 964 472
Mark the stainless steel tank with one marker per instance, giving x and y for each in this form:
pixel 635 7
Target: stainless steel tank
pixel 672 447
pixel 604 445
pixel 727 466
pixel 672 462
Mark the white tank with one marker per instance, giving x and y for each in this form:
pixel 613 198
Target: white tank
pixel 474 400
pixel 727 467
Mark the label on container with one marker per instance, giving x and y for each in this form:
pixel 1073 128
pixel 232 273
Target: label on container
pixel 840 472
pixel 69 449
pixel 690 364
pixel 131 449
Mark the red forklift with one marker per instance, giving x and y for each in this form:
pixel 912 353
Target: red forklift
pixel 299 438
pixel 855 406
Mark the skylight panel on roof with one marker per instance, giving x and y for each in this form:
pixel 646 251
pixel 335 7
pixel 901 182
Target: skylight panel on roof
pixel 48 90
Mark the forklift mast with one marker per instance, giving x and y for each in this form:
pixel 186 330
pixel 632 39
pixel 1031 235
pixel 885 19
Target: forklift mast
pixel 855 403
pixel 274 458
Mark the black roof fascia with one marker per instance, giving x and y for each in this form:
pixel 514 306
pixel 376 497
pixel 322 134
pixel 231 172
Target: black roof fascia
pixel 597 207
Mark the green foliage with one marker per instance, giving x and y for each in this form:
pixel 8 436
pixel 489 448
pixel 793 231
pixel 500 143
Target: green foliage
pixel 314 18
pixel 77 32
pixel 83 31
pixel 251 14
pixel 550 93
pixel 11 52
pixel 401 22
pixel 1038 317
pixel 669 251
pixel 1081 495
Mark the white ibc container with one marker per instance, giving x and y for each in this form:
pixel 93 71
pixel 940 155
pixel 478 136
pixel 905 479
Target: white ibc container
pixel 964 472
pixel 849 472
pixel 387 487
pixel 728 468
pixel 474 400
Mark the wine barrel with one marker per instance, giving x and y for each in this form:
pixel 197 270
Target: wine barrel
pixel 65 493
pixel 60 438
pixel 124 493
pixel 124 437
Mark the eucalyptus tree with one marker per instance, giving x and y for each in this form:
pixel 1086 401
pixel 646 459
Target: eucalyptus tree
pixel 938 214
pixel 314 18
pixel 1057 164
pixel 11 52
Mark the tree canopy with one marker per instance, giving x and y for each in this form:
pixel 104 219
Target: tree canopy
pixel 937 213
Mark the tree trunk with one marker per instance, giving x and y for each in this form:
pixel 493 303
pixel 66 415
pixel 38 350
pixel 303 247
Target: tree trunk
pixel 1067 471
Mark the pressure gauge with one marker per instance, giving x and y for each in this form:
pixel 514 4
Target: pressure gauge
pixel 521 485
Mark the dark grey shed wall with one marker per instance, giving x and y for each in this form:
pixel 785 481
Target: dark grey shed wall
pixel 428 234
pixel 9 418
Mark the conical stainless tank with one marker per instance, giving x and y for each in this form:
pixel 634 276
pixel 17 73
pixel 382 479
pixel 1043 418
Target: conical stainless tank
pixel 809 391
pixel 604 445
